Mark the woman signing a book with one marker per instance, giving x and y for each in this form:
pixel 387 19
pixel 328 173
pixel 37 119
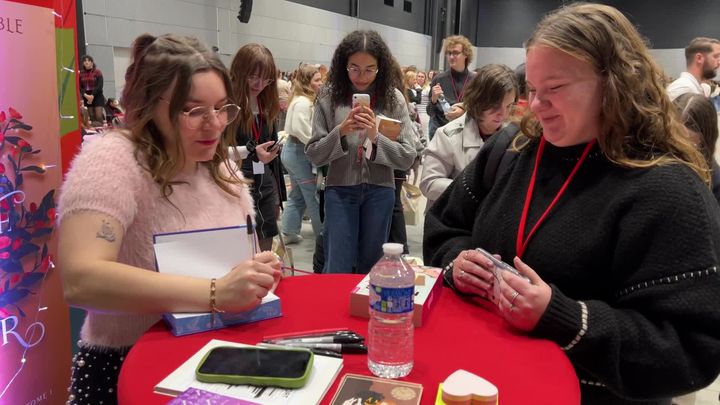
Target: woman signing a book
pixel 359 193
pixel 605 210
pixel 167 172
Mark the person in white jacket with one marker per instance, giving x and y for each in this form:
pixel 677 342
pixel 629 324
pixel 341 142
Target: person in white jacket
pixel 489 99
pixel 298 126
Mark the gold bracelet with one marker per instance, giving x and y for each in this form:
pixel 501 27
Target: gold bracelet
pixel 213 304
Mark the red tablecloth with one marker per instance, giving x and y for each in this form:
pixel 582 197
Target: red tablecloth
pixel 456 335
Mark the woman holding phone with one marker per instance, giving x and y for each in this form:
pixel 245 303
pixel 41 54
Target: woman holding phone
pixel 359 194
pixel 252 73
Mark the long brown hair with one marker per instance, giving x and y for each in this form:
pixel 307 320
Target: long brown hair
pixel 640 126
pixel 699 115
pixel 248 60
pixel 301 83
pixel 159 63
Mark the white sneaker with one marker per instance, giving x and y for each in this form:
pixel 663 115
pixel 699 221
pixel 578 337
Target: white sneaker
pixel 291 238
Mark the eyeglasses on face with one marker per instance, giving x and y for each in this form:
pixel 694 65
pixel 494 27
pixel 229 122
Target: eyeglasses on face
pixel 259 79
pixel 454 53
pixel 195 117
pixel 355 71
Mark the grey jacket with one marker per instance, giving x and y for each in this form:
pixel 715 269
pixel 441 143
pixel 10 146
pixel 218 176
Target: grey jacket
pixel 328 147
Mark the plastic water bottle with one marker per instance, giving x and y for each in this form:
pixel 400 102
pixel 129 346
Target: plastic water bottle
pixel 444 104
pixel 390 331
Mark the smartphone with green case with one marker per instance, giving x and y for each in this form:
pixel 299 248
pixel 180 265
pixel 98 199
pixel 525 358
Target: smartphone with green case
pixel 286 368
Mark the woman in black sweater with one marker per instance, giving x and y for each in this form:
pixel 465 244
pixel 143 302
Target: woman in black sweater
pixel 605 209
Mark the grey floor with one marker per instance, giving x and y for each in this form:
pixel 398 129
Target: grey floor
pixel 302 253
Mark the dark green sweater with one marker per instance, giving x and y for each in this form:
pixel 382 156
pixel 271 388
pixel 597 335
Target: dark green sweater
pixel 639 247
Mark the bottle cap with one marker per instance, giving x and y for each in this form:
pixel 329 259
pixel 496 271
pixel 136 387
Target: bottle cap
pixel 392 248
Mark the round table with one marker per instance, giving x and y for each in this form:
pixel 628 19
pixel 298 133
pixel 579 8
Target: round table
pixel 456 335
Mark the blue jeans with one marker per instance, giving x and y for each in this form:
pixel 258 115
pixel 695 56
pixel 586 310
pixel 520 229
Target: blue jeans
pixel 357 223
pixel 302 195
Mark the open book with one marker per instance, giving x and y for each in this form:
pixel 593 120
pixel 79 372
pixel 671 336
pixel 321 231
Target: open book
pixel 389 127
pixel 209 253
pixel 324 371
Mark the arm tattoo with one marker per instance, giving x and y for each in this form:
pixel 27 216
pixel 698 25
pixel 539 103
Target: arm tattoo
pixel 106 232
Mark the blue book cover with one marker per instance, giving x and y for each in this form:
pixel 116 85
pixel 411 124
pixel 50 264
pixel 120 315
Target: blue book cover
pixel 187 323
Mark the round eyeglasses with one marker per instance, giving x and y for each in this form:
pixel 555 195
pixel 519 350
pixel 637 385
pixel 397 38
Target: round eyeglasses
pixel 356 72
pixel 196 117
pixel 259 79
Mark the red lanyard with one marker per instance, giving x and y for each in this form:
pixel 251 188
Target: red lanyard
pixel 458 98
pixel 521 245
pixel 257 128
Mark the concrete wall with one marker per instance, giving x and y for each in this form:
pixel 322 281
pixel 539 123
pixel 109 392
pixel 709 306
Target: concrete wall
pixel 293 32
pixel 671 60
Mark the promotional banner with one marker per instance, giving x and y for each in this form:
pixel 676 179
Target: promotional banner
pixel 34 337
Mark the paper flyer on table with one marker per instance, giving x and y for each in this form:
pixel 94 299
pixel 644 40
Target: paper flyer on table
pixel 325 370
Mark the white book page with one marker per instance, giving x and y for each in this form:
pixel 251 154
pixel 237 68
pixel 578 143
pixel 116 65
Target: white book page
pixel 206 254
pixel 324 372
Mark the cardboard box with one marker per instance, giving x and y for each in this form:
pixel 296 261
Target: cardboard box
pixel 187 323
pixel 428 284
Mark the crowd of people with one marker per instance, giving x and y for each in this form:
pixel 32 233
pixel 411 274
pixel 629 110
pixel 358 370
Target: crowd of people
pixel 584 168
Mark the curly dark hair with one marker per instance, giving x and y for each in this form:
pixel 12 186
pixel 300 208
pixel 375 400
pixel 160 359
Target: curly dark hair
pixel 386 80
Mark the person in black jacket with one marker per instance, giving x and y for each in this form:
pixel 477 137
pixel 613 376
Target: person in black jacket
pixel 91 83
pixel 253 72
pixel 450 84
pixel 606 211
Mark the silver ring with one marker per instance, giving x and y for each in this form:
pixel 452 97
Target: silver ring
pixel 513 297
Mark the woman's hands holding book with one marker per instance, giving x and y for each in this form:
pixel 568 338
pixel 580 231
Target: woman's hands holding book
pixel 248 283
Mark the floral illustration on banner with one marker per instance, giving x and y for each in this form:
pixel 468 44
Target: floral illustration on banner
pixel 24 227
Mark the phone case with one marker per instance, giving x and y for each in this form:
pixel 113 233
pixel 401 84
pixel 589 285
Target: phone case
pixel 234 379
pixel 361 99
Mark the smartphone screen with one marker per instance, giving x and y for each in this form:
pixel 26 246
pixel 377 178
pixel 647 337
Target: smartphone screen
pixel 247 361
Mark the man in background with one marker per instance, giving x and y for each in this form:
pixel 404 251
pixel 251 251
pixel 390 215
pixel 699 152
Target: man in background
pixel 702 56
pixel 449 86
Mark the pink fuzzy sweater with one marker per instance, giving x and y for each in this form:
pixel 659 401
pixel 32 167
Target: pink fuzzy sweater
pixel 105 177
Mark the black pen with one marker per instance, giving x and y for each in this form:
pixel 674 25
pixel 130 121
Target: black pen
pixel 251 233
pixel 323 339
pixel 336 347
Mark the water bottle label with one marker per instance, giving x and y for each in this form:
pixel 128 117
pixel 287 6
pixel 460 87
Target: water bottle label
pixel 393 300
